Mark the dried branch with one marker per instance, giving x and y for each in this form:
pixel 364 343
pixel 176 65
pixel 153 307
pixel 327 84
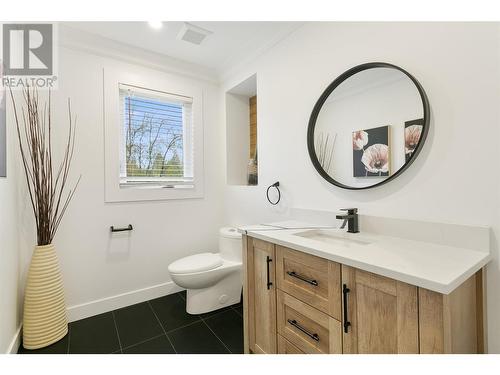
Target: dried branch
pixel 324 151
pixel 35 143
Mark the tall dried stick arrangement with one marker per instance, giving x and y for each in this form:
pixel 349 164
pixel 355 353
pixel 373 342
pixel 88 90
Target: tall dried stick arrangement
pixel 324 150
pixel 46 185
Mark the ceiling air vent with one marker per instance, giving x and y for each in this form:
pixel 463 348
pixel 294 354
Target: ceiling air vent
pixel 193 34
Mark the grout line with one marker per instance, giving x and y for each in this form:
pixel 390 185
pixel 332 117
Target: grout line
pixel 156 316
pixel 181 295
pixel 69 338
pixel 200 319
pixel 161 325
pixel 220 311
pixel 171 343
pixel 184 326
pixel 117 334
pixel 237 312
pixel 218 338
pixel 143 341
pixel 236 305
pixel 212 313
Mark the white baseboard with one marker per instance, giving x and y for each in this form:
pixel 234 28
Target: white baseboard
pixel 103 305
pixel 16 341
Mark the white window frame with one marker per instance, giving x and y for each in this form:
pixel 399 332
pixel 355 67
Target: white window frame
pixel 115 189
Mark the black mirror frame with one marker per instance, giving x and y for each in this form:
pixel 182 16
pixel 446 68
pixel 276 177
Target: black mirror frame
pixel 329 90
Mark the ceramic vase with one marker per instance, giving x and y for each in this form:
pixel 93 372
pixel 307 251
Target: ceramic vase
pixel 45 321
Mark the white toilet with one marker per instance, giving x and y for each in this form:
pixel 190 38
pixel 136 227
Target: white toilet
pixel 212 280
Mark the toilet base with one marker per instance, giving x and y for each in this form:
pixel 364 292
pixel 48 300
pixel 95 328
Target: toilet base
pixel 226 292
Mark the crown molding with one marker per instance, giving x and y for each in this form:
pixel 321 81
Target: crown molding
pixel 234 65
pixel 74 39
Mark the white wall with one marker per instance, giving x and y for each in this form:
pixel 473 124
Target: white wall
pixel 238 133
pixel 10 306
pixel 454 179
pixel 96 265
pixel 3 140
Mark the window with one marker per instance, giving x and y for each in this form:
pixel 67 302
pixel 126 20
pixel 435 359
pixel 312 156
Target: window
pixel 153 135
pixel 156 147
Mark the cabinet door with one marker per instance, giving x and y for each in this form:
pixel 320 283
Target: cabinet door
pixel 260 296
pixel 380 315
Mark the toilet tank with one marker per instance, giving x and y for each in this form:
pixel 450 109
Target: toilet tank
pixel 230 244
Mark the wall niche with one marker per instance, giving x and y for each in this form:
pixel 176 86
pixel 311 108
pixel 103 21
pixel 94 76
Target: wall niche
pixel 241 133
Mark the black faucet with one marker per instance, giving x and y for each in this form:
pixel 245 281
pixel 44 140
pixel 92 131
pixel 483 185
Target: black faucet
pixel 352 218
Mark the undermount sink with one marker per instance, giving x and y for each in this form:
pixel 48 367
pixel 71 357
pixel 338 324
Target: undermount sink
pixel 334 237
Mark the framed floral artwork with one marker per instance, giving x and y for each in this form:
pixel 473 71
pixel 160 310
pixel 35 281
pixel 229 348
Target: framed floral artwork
pixel 371 152
pixel 413 132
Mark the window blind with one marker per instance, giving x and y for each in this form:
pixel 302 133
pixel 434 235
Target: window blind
pixel 157 138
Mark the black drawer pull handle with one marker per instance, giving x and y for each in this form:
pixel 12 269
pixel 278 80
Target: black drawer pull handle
pixel 294 323
pixel 347 323
pixel 113 229
pixel 269 283
pixel 297 276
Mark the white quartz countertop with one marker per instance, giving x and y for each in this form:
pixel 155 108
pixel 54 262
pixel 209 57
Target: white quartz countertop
pixel 439 268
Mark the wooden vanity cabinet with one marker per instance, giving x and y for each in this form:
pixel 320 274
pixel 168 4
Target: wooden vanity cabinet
pixel 389 316
pixel 380 314
pixel 294 302
pixel 259 293
pixel 452 323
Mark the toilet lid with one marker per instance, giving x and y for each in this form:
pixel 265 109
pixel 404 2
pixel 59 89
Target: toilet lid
pixel 196 263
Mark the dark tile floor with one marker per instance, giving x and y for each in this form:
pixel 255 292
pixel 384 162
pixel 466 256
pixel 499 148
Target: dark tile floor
pixel 157 326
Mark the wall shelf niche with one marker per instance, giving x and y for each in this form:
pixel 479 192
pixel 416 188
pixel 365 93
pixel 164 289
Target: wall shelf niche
pixel 241 133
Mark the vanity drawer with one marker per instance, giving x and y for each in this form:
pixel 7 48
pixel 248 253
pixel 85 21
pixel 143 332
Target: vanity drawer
pixel 286 347
pixel 311 279
pixel 309 329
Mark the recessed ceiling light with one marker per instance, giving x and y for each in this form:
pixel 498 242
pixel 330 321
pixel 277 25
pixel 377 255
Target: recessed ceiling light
pixel 155 24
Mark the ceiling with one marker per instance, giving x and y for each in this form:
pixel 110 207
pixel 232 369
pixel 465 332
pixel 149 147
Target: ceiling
pixel 229 44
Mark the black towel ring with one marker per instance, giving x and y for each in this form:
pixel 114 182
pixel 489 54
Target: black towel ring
pixel 275 185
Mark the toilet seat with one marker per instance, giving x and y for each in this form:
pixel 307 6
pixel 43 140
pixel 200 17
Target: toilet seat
pixel 212 280
pixel 196 263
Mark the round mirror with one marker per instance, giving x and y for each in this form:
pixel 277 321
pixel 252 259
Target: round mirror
pixel 368 126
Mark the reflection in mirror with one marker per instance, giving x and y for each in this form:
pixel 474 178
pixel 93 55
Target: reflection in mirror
pixel 368 127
